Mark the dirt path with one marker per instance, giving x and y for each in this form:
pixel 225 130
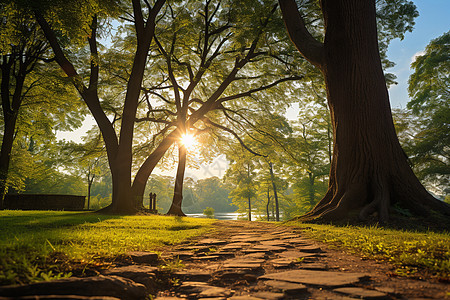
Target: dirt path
pixel 250 260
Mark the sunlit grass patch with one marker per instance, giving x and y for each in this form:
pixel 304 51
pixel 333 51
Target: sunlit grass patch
pixel 42 245
pixel 410 251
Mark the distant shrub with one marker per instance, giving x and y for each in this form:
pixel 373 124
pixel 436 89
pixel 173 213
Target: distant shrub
pixel 209 212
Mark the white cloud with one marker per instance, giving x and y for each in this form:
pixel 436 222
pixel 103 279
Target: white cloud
pixel 417 54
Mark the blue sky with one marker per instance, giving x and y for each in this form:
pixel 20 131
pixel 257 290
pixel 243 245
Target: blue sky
pixel 433 21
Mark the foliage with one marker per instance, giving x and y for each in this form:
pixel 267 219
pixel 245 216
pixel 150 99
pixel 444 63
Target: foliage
pixel 425 129
pixel 242 174
pixel 309 154
pixel 428 85
pixel 48 245
pixel 209 212
pixel 413 251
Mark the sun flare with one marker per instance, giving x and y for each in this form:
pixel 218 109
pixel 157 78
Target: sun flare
pixel 188 140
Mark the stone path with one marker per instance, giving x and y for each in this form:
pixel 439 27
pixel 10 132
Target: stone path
pixel 241 261
pixel 249 260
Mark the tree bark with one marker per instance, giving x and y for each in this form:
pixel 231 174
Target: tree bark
pixel 369 170
pixel 175 208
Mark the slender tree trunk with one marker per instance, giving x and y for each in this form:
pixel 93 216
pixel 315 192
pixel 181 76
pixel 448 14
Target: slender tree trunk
pixel 312 190
pixel 275 194
pixel 90 181
pixel 249 208
pixel 268 204
pixel 89 195
pixel 175 208
pixel 141 178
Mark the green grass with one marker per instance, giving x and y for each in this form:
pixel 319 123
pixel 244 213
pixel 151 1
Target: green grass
pixel 409 251
pixel 45 245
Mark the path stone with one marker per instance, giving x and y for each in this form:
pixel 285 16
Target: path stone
pixel 224 253
pixel 211 242
pixel 141 257
pixel 236 246
pixel 197 248
pixel 206 258
pixel 287 287
pixel 298 240
pixel 282 262
pixel 193 286
pixel 268 248
pixel 323 278
pixel 269 295
pixel 310 249
pixel 250 263
pixel 113 286
pixel 235 275
pixel 215 292
pixel 296 254
pixel 361 293
pixel 203 290
pixel 193 275
pixel 180 254
pixel 279 243
pixel 287 236
pixel 314 266
pixel 255 255
pixel 141 274
pixel 244 298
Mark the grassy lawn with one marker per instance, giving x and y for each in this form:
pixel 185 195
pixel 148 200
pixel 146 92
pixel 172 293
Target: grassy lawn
pixel 412 252
pixel 43 245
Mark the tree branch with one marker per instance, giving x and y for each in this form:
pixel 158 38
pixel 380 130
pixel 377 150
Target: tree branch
pixel 262 88
pixel 306 44
pixel 208 121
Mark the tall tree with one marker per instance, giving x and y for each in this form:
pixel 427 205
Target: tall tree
pixel 369 170
pixel 429 88
pixel 309 154
pixel 208 71
pixel 143 17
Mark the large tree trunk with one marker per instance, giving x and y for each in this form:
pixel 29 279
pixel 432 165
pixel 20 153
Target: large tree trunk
pixel 175 208
pixel 369 170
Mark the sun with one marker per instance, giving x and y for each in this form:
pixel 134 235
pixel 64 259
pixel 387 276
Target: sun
pixel 188 140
